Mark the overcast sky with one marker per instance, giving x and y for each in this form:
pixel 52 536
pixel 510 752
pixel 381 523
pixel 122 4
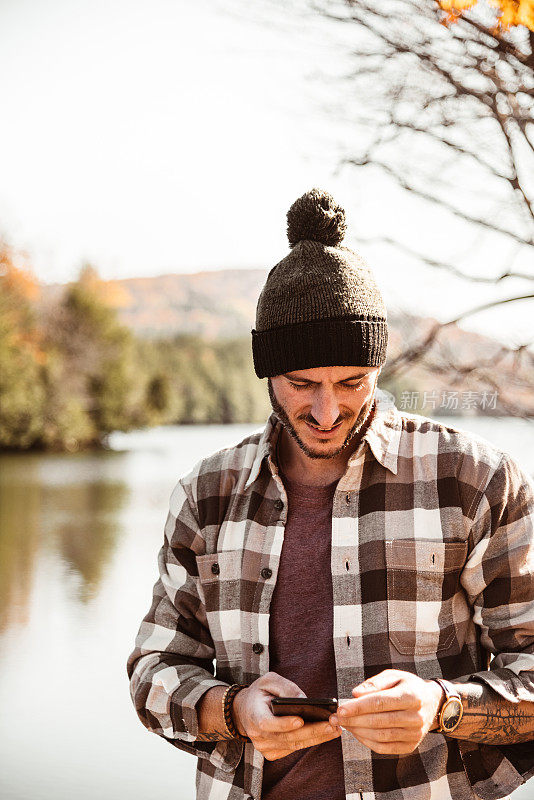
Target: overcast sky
pixel 172 136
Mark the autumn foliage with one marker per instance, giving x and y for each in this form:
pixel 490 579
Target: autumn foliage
pixel 508 13
pixel 71 372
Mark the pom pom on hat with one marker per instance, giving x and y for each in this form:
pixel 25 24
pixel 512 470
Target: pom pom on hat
pixel 316 217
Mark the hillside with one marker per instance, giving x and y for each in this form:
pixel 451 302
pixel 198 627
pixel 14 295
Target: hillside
pixel 221 305
pixel 213 305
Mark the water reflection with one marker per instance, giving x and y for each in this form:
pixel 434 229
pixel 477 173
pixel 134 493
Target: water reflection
pixel 82 527
pixel 19 542
pixel 63 507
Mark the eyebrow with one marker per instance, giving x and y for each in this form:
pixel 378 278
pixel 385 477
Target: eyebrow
pixel 291 377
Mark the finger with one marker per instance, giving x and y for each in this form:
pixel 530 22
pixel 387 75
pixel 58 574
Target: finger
pixel 275 684
pixel 395 699
pixel 318 737
pixel 388 748
pixel 384 680
pixel 312 729
pixel 384 734
pixel 274 724
pixel 311 733
pixel 388 719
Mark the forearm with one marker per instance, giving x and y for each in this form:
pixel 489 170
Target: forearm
pixel 211 723
pixel 491 719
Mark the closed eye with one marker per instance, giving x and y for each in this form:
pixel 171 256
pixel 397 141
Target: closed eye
pixel 344 385
pixel 299 385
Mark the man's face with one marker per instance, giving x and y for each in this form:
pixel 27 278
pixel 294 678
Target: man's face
pixel 323 408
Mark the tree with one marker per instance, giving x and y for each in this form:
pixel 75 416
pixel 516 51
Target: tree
pixel 92 380
pixel 22 396
pixel 444 107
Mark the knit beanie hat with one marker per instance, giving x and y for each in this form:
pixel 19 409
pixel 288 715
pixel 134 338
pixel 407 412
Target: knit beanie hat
pixel 320 305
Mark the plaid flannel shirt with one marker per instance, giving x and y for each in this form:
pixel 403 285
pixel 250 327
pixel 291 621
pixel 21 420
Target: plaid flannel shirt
pixel 433 572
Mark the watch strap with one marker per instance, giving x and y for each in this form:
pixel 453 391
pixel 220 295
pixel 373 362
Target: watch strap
pixel 449 689
pixel 451 692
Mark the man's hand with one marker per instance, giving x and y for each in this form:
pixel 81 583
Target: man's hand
pixel 392 712
pixel 276 737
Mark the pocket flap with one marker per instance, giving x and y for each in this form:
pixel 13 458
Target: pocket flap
pixel 419 555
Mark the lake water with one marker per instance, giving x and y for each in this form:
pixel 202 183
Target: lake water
pixel 78 545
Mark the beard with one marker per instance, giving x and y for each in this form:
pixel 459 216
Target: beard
pixel 361 421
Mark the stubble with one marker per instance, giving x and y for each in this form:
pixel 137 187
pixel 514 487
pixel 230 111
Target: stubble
pixel 281 414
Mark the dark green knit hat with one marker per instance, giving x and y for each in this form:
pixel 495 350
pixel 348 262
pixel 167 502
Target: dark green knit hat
pixel 320 306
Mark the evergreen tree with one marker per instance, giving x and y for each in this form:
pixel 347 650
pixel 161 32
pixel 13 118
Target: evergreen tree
pixel 97 358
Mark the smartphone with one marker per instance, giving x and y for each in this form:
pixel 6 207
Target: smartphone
pixel 311 709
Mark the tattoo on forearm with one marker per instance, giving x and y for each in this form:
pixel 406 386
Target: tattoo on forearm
pixel 213 736
pixel 501 726
pixel 490 719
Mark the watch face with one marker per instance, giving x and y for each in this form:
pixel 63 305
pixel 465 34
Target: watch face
pixel 451 714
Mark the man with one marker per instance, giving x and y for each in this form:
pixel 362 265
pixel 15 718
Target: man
pixel 347 550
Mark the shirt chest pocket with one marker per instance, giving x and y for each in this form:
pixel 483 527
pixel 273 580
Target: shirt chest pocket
pixel 423 600
pixel 220 586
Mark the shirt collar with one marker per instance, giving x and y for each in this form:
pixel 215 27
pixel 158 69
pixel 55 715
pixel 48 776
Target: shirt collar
pixel 383 437
pixel 265 447
pixel 384 432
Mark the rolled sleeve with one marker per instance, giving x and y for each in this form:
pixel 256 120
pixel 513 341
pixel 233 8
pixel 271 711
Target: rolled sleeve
pixel 171 666
pixel 499 581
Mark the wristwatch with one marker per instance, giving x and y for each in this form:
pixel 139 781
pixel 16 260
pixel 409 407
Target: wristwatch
pixel 451 710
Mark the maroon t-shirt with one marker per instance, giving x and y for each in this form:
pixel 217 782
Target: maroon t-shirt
pixel 300 641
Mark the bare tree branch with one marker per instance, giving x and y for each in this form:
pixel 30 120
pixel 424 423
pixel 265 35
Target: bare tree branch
pixel 427 195
pixel 482 87
pixel 416 352
pixel 443 265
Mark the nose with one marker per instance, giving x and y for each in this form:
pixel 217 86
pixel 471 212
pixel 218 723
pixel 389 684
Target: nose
pixel 325 408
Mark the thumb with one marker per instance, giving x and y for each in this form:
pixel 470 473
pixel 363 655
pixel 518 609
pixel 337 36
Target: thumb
pixel 384 680
pixel 281 687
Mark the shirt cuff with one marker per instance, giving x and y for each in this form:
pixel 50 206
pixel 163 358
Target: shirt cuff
pixel 224 755
pixel 512 686
pixel 184 701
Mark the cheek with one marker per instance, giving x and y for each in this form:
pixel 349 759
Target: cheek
pixel 298 409
pixel 291 404
pixel 277 394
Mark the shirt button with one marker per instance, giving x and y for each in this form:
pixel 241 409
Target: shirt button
pixel 257 647
pixel 266 573
pixel 215 568
pixel 278 504
pixel 347 498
